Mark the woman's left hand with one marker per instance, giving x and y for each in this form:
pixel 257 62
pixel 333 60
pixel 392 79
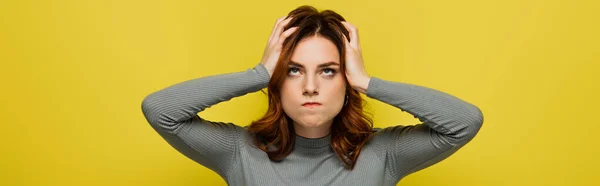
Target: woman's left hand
pixel 355 68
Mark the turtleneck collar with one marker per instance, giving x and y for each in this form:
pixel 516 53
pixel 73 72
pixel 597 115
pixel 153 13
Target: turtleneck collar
pixel 313 143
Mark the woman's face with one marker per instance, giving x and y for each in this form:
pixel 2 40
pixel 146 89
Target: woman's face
pixel 313 76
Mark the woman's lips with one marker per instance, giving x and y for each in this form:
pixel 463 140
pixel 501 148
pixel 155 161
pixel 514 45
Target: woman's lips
pixel 311 104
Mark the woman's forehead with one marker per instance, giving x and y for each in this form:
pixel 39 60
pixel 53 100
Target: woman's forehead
pixel 314 51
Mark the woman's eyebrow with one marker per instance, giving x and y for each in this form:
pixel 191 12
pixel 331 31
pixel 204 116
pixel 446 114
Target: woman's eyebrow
pixel 293 63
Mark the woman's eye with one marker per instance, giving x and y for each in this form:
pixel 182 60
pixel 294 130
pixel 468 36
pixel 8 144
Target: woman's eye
pixel 329 71
pixel 296 71
pixel 293 70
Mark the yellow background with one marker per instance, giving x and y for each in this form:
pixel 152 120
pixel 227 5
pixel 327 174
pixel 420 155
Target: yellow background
pixel 74 74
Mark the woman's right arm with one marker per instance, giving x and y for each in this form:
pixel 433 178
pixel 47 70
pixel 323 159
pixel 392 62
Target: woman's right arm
pixel 172 112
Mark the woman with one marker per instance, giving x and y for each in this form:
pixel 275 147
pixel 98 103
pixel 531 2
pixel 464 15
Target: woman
pixel 315 131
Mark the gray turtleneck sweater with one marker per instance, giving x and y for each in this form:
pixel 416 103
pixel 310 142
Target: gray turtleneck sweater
pixel 448 123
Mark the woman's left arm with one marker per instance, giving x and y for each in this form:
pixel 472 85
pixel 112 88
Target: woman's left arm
pixel 448 122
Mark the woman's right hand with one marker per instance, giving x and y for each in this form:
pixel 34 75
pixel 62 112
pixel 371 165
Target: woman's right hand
pixel 274 45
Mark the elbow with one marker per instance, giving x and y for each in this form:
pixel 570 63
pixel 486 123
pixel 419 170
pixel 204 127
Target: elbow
pixel 153 109
pixel 474 122
pixel 147 106
pixel 150 109
pixel 477 118
pixel 470 124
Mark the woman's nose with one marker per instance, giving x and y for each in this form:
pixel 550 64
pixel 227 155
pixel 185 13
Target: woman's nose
pixel 310 86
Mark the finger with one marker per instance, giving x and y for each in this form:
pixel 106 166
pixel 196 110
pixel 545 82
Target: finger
pixel 346 42
pixel 280 27
pixel 354 35
pixel 353 32
pixel 285 35
pixel 275 28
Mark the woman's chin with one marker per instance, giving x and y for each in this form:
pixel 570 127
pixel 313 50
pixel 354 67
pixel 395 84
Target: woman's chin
pixel 311 122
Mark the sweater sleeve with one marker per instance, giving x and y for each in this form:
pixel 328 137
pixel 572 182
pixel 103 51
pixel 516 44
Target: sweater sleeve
pixel 172 112
pixel 448 123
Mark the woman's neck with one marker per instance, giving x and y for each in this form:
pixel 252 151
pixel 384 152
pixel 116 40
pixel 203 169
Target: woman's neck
pixel 313 132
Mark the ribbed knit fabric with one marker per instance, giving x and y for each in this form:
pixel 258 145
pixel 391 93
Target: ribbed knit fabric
pixel 448 123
